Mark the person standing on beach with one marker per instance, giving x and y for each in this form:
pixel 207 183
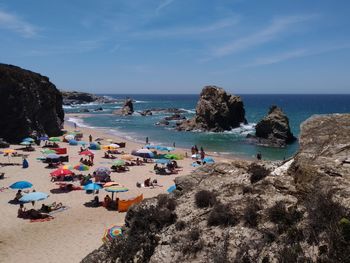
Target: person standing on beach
pixel 174 144
pixel 90 138
pixel 146 140
pixel 196 149
pixel 75 126
pixel 202 153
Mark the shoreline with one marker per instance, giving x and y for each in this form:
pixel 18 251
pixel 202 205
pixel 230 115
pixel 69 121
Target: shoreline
pixel 107 133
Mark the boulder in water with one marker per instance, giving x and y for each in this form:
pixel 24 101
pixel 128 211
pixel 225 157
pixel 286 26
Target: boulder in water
pixel 127 109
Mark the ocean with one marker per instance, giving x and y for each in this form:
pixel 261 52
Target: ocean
pixel 297 107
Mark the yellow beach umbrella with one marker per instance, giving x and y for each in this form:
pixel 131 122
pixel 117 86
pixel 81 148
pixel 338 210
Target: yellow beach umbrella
pixel 8 151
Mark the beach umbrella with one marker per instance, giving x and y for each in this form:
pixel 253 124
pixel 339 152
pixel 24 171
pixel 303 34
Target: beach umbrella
pixel 173 156
pixel 73 142
pixel 48 151
pixel 82 142
pixel 52 156
pixel 21 185
pixel 112 233
pixel 67 167
pixel 81 167
pixel 8 151
pixel 116 189
pixel 171 189
pixel 110 184
pixel 34 196
pixel 208 160
pixel 150 146
pixel 195 156
pixel 26 143
pixel 127 157
pixel 54 139
pixel 87 153
pixel 69 137
pixel 94 146
pixel 162 161
pixel 43 138
pixel 118 163
pixel 145 153
pixel 28 139
pixel 92 187
pixel 102 171
pixel 61 172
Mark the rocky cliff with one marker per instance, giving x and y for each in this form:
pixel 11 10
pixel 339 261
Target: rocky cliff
pixel 216 111
pixel 29 103
pixel 273 130
pixel 243 211
pixel 76 97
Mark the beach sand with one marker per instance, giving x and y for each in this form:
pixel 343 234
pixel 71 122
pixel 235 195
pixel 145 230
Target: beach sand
pixel 75 232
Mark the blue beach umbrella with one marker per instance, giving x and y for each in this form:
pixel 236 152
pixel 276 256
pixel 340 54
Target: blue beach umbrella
pixel 94 146
pixel 82 143
pixel 171 189
pixel 52 156
pixel 28 139
pixel 34 196
pixel 162 161
pixel 92 187
pixel 26 143
pixel 21 185
pixel 73 142
pixel 43 138
pixel 208 160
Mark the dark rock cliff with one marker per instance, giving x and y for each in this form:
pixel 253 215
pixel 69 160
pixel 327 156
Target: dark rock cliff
pixel 295 211
pixel 216 111
pixel 127 109
pixel 29 103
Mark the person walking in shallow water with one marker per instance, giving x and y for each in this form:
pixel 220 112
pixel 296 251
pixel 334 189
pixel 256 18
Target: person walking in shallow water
pixel 146 140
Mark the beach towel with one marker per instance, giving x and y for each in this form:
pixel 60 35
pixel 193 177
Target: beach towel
pixel 41 219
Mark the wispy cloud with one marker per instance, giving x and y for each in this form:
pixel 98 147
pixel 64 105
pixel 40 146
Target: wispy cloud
pixel 299 53
pixel 274 30
pixel 163 4
pixel 188 30
pixel 16 24
pixel 76 47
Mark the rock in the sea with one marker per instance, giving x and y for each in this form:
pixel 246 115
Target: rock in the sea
pixel 127 109
pixel 175 117
pixel 76 97
pixel 243 211
pixel 99 109
pixel 274 130
pixel 216 111
pixel 146 113
pixel 29 104
pixel 162 123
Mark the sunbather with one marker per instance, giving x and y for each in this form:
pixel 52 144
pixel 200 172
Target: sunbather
pixel 49 208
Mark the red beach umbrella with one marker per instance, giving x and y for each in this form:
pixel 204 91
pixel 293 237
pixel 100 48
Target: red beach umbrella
pixel 61 171
pixel 86 152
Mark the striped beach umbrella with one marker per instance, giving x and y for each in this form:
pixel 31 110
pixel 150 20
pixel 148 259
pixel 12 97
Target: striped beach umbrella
pixel 81 167
pixel 112 233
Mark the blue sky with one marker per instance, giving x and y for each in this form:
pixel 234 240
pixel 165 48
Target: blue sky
pixel 178 46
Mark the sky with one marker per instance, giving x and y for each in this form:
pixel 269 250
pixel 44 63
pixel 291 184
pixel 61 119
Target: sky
pixel 179 46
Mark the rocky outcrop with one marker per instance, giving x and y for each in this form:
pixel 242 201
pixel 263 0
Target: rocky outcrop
pixel 324 152
pixel 75 97
pixel 216 111
pixel 127 109
pixel 175 117
pixel 273 130
pixel 29 104
pixel 146 113
pixel 296 211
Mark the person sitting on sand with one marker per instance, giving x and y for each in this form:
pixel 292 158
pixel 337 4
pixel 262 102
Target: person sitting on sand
pixel 49 208
pixel 18 195
pixel 107 201
pixel 22 212
pixel 96 201
pixel 147 182
pixel 155 167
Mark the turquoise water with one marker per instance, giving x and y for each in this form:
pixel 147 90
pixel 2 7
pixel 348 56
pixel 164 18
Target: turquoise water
pixel 136 127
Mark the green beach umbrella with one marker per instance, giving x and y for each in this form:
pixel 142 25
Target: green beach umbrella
pixel 118 163
pixel 48 151
pixel 26 143
pixel 54 139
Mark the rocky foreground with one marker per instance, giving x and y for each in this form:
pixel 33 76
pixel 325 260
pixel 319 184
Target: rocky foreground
pixel 29 104
pixel 296 211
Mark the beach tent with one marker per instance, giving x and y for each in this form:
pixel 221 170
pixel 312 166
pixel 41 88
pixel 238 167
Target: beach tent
pixel 21 185
pixel 34 196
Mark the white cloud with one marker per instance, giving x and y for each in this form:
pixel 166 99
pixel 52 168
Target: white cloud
pixel 16 24
pixel 188 30
pixel 276 28
pixel 164 4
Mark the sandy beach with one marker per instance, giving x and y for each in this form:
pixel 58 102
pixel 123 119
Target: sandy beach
pixel 74 232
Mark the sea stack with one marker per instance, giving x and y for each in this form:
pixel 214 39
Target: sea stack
pixel 216 111
pixel 274 130
pixel 29 104
pixel 128 108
